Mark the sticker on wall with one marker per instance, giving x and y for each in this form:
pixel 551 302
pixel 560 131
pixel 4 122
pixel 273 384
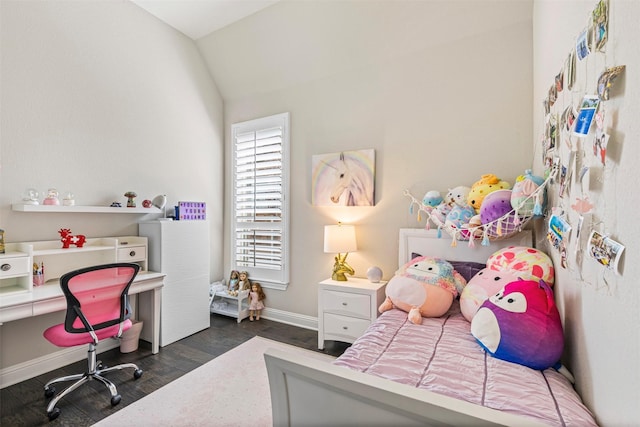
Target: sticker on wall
pixel 343 179
pixel 588 110
pixel 606 251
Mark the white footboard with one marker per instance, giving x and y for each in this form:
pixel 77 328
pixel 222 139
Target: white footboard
pixel 310 392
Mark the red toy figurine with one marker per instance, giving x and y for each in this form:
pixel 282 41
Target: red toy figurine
pixel 69 239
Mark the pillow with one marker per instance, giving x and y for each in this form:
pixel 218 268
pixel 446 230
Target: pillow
pixel 521 324
pixel 529 263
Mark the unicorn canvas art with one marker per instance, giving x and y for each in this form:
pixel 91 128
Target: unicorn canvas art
pixel 343 179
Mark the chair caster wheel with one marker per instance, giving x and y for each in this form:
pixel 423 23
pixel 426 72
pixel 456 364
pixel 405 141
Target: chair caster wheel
pixel 55 412
pixel 49 392
pixel 115 400
pixel 137 374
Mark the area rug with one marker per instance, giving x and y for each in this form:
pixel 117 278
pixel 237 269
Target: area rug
pixel 231 390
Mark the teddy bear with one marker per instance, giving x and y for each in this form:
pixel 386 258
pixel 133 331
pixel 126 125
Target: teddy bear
pixel 423 287
pixel 488 183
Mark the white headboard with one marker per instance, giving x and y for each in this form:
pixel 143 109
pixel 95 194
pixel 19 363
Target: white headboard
pixel 427 243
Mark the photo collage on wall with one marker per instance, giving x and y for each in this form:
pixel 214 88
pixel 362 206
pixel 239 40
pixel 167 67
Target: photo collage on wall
pixel 574 144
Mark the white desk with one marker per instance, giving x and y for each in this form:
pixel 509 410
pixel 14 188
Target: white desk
pixel 49 298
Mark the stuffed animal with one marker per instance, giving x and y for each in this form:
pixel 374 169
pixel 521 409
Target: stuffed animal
pixel 479 190
pixel 432 198
pixel 423 287
pixel 523 188
pixel 457 196
pixel 504 266
pixel 529 263
pixel 481 286
pixel 458 217
pixel 521 324
pixel 496 213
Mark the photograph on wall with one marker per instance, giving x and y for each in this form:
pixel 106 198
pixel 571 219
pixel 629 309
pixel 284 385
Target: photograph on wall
pixel 558 235
pixel 582 45
pixel 600 145
pixel 587 112
pixel 345 178
pixel 605 250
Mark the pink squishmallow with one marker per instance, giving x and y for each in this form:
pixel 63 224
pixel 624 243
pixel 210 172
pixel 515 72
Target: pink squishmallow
pixel 521 324
pixel 423 287
pixel 481 286
pixel 530 263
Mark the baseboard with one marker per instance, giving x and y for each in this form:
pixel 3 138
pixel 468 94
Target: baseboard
pixel 294 319
pixel 47 363
pixel 32 368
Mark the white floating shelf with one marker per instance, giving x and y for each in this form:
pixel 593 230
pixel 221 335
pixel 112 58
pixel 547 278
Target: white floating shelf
pixel 83 209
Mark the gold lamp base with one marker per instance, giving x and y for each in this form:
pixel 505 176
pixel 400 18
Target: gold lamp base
pixel 341 267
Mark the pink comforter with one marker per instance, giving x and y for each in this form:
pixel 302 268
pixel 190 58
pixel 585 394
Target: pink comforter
pixel 442 356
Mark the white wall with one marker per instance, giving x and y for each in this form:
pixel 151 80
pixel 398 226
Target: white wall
pixel 601 310
pixel 441 90
pixel 100 98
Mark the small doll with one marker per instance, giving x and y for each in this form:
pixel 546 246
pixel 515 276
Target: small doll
pixel 244 284
pixel 256 298
pixel 233 280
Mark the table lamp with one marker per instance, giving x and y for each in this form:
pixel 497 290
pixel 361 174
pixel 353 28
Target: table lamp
pixel 340 239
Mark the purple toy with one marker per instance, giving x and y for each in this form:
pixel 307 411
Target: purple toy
pixel 521 324
pixel 494 206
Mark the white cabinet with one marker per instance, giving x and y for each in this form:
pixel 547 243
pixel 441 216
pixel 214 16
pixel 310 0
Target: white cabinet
pixel 15 271
pixel 180 249
pixel 346 309
pixel 229 305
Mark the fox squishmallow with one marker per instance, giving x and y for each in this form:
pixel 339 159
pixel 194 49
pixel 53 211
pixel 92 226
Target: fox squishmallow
pixel 521 324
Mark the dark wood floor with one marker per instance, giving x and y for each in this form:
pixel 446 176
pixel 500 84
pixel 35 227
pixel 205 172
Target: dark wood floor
pixel 24 404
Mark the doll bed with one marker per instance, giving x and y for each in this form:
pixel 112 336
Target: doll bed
pixel 457 383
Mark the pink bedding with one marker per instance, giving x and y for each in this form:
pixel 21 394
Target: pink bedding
pixel 442 356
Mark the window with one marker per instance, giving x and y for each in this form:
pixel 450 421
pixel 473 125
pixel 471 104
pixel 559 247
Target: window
pixel 260 209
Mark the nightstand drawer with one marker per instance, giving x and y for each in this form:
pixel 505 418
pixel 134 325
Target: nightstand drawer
pixel 351 304
pixel 132 253
pixel 344 328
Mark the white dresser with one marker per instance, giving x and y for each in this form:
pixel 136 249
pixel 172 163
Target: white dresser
pixel 180 249
pixel 346 309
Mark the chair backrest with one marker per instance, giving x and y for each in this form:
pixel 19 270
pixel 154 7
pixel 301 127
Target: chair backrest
pixel 99 293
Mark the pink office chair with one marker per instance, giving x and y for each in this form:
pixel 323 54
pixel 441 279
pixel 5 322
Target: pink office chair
pixel 97 308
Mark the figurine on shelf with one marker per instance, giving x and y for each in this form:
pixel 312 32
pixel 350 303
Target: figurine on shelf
pixel 244 284
pixel 256 301
pixel 69 239
pixel 233 280
pixel 69 199
pixel 130 195
pixel 30 197
pixel 52 197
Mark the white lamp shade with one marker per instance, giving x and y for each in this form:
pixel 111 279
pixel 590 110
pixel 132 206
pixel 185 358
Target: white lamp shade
pixel 339 238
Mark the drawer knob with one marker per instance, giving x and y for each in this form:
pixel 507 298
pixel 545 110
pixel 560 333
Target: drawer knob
pixel 5 267
pixel 132 253
pixel 344 303
pixel 345 328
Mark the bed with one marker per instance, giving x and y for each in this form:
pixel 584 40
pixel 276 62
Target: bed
pixel 435 373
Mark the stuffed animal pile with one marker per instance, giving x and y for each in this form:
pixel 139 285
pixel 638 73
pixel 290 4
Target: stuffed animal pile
pixel 488 205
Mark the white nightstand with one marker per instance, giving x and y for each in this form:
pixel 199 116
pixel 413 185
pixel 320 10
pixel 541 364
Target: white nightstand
pixel 346 309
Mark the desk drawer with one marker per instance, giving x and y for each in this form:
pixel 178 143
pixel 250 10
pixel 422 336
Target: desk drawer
pixel 132 253
pixel 15 312
pixel 14 266
pixel 350 304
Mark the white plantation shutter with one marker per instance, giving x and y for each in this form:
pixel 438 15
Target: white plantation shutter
pixel 260 192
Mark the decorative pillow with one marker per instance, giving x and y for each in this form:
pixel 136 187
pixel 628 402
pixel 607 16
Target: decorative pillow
pixel 480 287
pixel 530 263
pixel 521 324
pixel 423 287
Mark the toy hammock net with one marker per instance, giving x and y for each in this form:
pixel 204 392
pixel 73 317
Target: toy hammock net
pixel 504 227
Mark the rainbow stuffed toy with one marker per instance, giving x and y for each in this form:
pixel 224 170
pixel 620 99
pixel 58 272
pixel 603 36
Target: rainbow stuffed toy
pixel 423 287
pixel 521 324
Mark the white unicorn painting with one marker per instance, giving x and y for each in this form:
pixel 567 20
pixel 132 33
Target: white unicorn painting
pixel 343 179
